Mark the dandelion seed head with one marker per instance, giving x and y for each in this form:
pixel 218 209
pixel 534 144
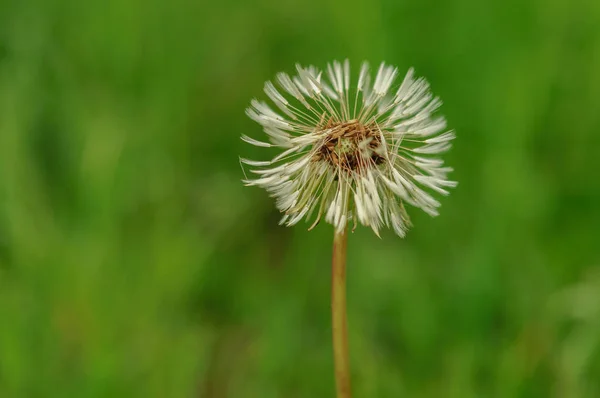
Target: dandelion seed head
pixel 351 153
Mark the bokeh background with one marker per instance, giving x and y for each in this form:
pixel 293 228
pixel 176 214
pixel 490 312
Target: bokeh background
pixel 133 262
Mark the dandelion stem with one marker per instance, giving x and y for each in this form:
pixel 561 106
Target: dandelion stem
pixel 338 315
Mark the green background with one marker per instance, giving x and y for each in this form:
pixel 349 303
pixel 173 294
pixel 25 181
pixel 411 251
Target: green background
pixel 134 263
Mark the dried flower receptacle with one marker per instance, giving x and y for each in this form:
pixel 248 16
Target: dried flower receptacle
pixel 350 146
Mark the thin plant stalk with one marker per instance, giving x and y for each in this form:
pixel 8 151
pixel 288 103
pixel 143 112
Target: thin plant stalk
pixel 338 315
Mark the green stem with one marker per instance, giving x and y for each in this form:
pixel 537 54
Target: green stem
pixel 338 316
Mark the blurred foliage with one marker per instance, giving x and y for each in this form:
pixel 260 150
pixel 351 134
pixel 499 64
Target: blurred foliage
pixel 133 263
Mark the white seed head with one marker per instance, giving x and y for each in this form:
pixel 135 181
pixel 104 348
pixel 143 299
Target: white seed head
pixel 351 153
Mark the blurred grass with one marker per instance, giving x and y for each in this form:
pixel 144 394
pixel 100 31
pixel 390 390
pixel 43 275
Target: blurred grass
pixel 133 263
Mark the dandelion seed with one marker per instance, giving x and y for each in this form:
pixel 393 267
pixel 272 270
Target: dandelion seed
pixel 351 153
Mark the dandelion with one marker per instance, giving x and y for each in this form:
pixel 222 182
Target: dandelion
pixel 350 153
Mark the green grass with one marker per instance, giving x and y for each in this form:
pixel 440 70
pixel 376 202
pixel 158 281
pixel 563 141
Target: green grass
pixel 133 262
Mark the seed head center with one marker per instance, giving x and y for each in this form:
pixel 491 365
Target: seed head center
pixel 350 145
pixel 345 145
